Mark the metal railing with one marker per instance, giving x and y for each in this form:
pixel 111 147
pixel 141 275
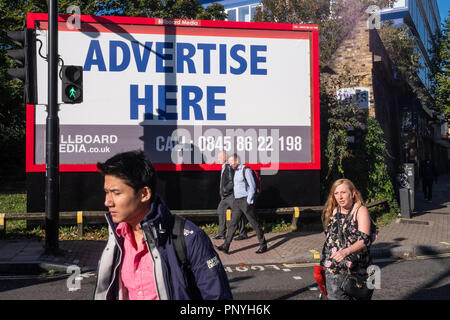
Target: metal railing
pixel 82 218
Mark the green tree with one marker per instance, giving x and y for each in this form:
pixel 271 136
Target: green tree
pixel 401 47
pixel 379 185
pixel 440 73
pixel 340 116
pixel 335 22
pixel 171 9
pixel 214 12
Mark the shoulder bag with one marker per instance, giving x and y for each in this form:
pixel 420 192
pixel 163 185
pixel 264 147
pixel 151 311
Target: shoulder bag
pixel 354 285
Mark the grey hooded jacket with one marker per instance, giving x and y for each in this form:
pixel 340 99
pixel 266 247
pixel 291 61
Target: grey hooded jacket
pixel 171 282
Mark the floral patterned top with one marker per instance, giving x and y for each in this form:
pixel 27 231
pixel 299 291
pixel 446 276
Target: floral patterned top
pixel 356 262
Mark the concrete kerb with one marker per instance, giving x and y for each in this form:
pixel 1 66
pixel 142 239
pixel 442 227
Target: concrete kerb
pixel 62 268
pixel 402 252
pixel 39 267
pixel 431 250
pixel 302 258
pixel 410 252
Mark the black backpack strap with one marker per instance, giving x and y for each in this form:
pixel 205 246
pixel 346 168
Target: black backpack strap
pixel 179 245
pixel 245 179
pixel 178 240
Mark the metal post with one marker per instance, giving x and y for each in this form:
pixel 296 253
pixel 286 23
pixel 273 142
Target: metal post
pixel 411 175
pixel 405 203
pixel 52 136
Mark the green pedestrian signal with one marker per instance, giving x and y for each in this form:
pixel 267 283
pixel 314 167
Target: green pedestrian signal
pixel 72 84
pixel 72 93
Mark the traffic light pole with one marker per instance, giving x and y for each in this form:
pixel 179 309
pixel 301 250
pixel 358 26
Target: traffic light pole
pixel 52 137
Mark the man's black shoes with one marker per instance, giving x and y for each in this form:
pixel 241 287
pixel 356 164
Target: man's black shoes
pixel 262 249
pixel 239 238
pixel 224 248
pixel 218 236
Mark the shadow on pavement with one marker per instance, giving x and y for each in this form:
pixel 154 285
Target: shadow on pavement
pixel 15 282
pixel 431 293
pixel 273 242
pixel 425 292
pixel 237 279
pixel 294 293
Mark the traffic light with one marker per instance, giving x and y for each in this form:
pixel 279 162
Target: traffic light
pixel 26 58
pixel 72 84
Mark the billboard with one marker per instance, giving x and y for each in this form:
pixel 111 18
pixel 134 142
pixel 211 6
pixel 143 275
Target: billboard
pixel 182 90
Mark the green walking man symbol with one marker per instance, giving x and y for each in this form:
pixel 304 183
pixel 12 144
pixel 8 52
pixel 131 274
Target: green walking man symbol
pixel 72 93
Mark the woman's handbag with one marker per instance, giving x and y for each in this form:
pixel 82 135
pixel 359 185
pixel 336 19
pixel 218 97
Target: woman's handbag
pixel 354 285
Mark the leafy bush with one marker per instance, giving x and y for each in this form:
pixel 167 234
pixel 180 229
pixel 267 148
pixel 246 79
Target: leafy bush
pixel 379 184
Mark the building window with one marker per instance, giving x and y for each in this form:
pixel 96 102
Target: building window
pixel 231 15
pixel 253 11
pixel 243 13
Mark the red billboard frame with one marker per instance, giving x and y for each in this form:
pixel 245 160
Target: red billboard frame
pixel 32 18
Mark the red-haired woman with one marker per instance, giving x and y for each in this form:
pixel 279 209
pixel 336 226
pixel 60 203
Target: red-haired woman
pixel 348 239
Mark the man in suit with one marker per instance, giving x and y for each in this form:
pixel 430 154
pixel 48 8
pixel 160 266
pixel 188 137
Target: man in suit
pixel 227 198
pixel 244 194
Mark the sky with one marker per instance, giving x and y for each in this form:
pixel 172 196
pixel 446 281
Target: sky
pixel 444 6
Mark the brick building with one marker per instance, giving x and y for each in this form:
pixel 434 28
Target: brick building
pixel 411 130
pixel 373 82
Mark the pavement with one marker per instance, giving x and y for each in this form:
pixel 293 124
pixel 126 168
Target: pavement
pixel 426 233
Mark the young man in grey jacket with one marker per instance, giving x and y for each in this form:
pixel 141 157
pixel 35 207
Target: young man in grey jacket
pixel 140 261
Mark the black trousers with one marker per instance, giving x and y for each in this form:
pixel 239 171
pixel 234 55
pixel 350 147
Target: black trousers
pixel 224 204
pixel 427 186
pixel 241 207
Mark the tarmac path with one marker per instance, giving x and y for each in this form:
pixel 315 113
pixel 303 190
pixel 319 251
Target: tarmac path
pixel 416 279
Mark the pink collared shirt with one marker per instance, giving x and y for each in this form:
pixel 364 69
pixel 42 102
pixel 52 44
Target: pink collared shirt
pixel 137 272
